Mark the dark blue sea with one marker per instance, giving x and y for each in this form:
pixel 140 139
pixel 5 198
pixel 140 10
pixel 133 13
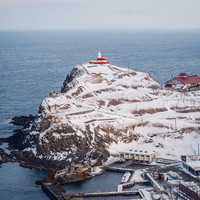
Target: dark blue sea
pixel 34 63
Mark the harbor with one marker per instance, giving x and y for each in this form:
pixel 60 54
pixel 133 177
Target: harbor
pixel 118 182
pixel 124 179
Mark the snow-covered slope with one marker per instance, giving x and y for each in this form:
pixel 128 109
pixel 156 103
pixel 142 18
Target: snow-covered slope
pixel 105 108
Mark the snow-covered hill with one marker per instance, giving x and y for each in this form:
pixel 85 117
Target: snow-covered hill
pixel 104 109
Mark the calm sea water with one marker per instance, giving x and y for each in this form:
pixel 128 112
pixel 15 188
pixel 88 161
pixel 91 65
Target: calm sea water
pixel 34 63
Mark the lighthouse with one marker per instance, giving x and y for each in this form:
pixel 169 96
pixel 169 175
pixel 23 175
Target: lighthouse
pixel 99 61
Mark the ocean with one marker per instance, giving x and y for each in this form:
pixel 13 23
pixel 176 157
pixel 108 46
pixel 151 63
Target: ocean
pixel 34 63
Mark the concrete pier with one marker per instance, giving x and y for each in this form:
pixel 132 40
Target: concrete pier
pixel 122 186
pixel 99 194
pixel 126 177
pixel 119 169
pixel 55 191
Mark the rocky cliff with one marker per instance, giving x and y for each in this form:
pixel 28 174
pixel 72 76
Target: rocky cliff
pixel 105 108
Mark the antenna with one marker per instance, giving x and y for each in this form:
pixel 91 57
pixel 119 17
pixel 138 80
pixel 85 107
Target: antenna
pixel 128 67
pixel 172 82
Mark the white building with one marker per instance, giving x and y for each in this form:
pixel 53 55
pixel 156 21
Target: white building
pixel 190 189
pixel 192 163
pixel 144 156
pixel 193 167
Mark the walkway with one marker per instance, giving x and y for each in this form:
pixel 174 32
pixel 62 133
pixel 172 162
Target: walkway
pixel 56 192
pixel 99 194
pixel 119 169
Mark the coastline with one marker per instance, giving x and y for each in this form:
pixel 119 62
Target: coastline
pixel 28 78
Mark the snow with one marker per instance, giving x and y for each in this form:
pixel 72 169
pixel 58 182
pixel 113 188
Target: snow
pixel 110 161
pixel 59 155
pixel 192 185
pixel 126 177
pixel 155 183
pixel 145 194
pixel 194 164
pixel 173 175
pixel 137 176
pixel 31 149
pixel 138 151
pixel 105 96
pixel 120 188
pixel 96 171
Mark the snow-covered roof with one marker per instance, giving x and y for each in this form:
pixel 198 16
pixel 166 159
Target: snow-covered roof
pixel 194 164
pixel 138 151
pixel 192 185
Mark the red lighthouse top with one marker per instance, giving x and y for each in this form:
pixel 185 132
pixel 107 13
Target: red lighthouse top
pixel 99 60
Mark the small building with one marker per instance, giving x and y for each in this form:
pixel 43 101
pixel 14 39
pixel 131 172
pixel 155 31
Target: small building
pixel 184 82
pixel 141 156
pixel 190 189
pixel 192 163
pixel 99 61
pixel 188 158
pixel 193 167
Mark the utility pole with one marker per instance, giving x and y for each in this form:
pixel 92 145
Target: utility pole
pixel 163 103
pixel 176 105
pixel 198 149
pixel 172 82
pixel 128 67
pixel 175 124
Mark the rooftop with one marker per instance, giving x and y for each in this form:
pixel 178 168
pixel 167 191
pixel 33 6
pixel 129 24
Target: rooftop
pixel 194 164
pixel 188 79
pixel 192 186
pixel 138 151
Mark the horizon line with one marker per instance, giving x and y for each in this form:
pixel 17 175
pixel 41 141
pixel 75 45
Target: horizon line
pixel 93 29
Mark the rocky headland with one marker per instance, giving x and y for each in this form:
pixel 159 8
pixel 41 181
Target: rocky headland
pixel 102 109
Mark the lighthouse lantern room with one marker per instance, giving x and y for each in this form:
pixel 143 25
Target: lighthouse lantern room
pixel 99 61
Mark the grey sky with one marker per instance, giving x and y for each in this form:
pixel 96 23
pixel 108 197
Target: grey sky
pixel 103 14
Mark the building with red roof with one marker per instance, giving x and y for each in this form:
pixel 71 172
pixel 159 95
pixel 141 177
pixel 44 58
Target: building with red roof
pixel 184 82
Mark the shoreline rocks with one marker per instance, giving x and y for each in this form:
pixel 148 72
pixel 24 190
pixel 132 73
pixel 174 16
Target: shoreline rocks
pixel 5 157
pixel 22 120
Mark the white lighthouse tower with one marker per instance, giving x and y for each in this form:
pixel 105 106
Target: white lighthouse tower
pixel 99 55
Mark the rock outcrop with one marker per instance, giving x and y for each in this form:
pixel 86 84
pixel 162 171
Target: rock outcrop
pixel 102 108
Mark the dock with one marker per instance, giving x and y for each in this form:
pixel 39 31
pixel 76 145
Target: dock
pixel 122 186
pixel 126 164
pixel 119 169
pixel 99 194
pixel 126 177
pixel 55 191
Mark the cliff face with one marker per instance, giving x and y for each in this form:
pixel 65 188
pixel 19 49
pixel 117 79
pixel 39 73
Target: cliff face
pixel 104 108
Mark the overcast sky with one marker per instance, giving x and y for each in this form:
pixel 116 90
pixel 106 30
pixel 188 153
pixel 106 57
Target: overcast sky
pixel 103 14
